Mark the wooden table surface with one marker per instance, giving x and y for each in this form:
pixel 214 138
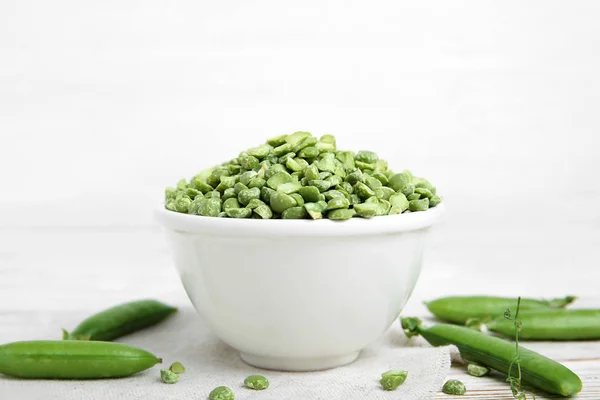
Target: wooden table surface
pixel 78 268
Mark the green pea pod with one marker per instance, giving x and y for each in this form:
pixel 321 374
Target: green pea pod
pixel 72 359
pixel 120 320
pixel 498 354
pixel 551 324
pixel 459 309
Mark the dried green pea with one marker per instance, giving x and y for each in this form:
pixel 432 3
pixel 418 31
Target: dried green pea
pixel 273 170
pixel 299 199
pixel 384 207
pixel 366 168
pixel 194 206
pixel 395 210
pixel 182 184
pixel 221 393
pixel 245 195
pixel 334 180
pixel 284 158
pixel 297 137
pixel 372 183
pixel 278 179
pixel 239 187
pixel 277 141
pixel 355 177
pixel 324 175
pixel 312 172
pixel 413 196
pixel 320 184
pixel 256 382
pixel 366 210
pixel 408 189
pixel 294 213
pixel 182 204
pixel 341 214
pixel 363 191
pixel 252 204
pixel 170 193
pixel 265 194
pixel 234 169
pixel 327 164
pixel 326 143
pixel 209 207
pixel 366 157
pixel 309 193
pixel 260 152
pixel 418 205
pixel 314 210
pixel 283 149
pixel 399 200
pixel 434 201
pixel 399 181
pixel 171 206
pixel 336 203
pixel 264 212
pixel 257 183
pixel 455 387
pixel 293 165
pixel 168 376
pixel 230 203
pixel 384 192
pixel 228 194
pixel 200 185
pixel 177 368
pixel 289 188
pixel 247 176
pixel 477 370
pixel 346 186
pixel 309 141
pixel 308 152
pixel 215 176
pixel 302 162
pixel 249 162
pixel 391 380
pixel 424 192
pixel 333 194
pixel 72 359
pixel 381 177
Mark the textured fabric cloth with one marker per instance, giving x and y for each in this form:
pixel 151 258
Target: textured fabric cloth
pixel 210 363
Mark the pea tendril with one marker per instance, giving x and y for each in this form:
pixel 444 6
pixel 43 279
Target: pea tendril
pixel 515 381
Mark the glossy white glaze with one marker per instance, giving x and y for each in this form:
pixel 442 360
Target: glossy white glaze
pixel 298 295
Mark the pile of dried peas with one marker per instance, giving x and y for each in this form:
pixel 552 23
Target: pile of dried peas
pixel 298 176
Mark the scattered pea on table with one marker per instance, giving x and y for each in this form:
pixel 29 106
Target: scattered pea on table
pixel 391 380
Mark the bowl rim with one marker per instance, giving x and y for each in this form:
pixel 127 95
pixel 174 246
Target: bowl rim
pixel 303 227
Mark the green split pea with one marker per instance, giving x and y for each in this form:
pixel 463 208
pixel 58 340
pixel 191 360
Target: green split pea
pixel 300 176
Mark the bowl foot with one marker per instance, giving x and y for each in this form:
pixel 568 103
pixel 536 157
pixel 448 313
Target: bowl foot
pixel 298 364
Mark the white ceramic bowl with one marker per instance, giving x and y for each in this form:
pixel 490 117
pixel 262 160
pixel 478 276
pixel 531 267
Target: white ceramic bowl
pixel 298 295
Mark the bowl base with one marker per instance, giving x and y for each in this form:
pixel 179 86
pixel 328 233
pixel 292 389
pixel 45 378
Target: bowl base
pixel 298 364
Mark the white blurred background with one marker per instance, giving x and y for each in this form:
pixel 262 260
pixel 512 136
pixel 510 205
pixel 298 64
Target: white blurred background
pixel 102 104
